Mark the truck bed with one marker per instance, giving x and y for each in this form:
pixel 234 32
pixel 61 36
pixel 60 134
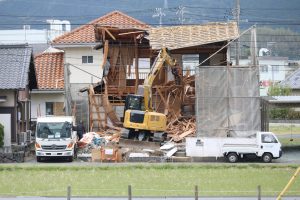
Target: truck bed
pixel 214 147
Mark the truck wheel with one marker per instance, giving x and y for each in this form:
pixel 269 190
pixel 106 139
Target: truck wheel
pixel 267 158
pixel 232 157
pixel 70 158
pixel 38 159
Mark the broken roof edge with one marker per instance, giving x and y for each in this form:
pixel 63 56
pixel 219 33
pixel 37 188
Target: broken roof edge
pixel 196 25
pixel 183 36
pixel 95 23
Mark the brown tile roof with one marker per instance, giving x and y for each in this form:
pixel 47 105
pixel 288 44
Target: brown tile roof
pixel 86 34
pixel 176 37
pixel 49 69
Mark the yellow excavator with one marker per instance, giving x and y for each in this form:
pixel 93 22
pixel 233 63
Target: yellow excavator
pixel 140 120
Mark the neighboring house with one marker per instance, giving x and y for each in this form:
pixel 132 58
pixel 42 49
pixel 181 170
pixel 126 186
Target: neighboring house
pixel 272 69
pixel 83 62
pixel 17 78
pixel 38 39
pixel 48 98
pixel 293 82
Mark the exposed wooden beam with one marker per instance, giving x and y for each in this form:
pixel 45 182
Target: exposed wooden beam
pixel 134 32
pixel 109 33
pixel 136 53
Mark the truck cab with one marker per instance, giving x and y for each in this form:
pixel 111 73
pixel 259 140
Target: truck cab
pixel 266 147
pixel 55 137
pixel 268 143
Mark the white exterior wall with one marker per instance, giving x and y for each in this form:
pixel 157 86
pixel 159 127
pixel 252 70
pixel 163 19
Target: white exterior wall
pixel 276 71
pixel 10 98
pixel 30 36
pixel 74 56
pixel 38 100
pixel 273 74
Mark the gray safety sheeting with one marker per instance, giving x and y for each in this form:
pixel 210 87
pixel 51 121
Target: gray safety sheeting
pixel 227 101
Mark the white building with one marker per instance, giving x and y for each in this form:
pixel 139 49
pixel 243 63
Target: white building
pixel 35 36
pixel 272 69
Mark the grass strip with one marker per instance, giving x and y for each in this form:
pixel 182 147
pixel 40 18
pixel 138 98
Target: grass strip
pixel 146 179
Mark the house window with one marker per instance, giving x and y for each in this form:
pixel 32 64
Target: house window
pixel 264 68
pixel 49 108
pixel 87 59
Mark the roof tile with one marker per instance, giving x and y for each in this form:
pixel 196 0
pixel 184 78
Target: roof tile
pixel 50 70
pixel 14 66
pixel 176 37
pixel 86 34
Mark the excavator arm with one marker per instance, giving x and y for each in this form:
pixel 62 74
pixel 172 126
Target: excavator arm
pixel 162 58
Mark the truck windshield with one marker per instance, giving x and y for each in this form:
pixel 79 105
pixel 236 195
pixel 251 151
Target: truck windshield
pixel 54 130
pixel 267 138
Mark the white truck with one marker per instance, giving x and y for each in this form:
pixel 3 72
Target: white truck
pixel 55 137
pixel 264 145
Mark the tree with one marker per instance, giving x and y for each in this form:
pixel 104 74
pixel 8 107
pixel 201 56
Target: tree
pixel 280 113
pixel 277 90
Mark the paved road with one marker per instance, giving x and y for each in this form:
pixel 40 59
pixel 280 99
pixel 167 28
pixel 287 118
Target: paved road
pixel 290 155
pixel 148 198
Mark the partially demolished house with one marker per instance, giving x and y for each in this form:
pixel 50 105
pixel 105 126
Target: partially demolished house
pixel 125 44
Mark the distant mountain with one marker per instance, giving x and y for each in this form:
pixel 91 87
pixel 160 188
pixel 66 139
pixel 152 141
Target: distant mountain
pixel 278 21
pixel 16 13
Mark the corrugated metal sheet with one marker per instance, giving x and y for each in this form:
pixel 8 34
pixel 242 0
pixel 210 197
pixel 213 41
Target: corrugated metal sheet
pixel 285 99
pixel 176 37
pixel 14 66
pixel 293 81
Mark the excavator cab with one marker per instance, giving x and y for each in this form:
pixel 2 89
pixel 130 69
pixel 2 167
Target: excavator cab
pixel 134 102
pixel 142 124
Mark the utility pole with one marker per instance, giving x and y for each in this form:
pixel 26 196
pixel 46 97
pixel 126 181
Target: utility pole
pixel 166 4
pixel 180 12
pixel 253 47
pixel 237 18
pixel 159 13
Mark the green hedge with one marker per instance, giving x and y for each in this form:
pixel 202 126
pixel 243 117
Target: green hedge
pixel 1 135
pixel 284 113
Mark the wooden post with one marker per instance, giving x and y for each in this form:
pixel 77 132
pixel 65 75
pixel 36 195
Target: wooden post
pixel 196 192
pixel 129 192
pixel 69 193
pixel 259 192
pixel 136 52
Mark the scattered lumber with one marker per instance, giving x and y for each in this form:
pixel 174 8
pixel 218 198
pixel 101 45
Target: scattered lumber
pixel 181 127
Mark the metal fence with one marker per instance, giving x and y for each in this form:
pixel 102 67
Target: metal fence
pixel 131 193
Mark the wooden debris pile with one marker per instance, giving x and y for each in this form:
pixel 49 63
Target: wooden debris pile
pixel 181 127
pixel 180 123
pixel 111 134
